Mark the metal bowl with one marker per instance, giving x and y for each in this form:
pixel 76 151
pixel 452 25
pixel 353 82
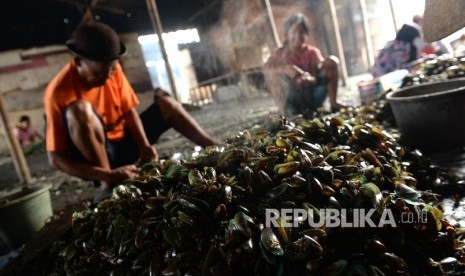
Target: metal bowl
pixel 430 116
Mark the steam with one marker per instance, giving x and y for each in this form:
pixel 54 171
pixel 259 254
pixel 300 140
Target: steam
pixel 243 36
pixel 204 57
pixel 244 24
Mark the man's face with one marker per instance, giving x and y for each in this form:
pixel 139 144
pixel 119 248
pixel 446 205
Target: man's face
pixel 95 73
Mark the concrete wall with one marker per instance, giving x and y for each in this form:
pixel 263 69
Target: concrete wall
pixel 134 65
pixel 23 78
pixel 23 88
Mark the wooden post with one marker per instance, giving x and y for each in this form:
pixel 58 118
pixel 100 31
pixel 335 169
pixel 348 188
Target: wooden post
pixel 17 154
pixel 393 14
pixel 272 23
pixel 155 19
pixel 366 29
pixel 88 14
pixel 244 84
pixel 340 49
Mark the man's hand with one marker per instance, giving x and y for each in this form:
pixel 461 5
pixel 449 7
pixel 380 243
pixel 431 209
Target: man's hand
pixel 136 129
pixel 122 173
pixel 148 153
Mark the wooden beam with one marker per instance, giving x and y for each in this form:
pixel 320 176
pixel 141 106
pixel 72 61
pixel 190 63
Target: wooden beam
pixel 340 49
pixel 103 7
pixel 203 10
pixel 393 15
pixel 366 29
pixel 155 19
pixel 272 22
pixel 88 13
pixel 17 154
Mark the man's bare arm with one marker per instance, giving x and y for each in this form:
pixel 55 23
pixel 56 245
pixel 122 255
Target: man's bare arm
pixel 78 168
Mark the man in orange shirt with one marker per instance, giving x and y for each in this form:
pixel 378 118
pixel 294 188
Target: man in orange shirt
pixel 93 129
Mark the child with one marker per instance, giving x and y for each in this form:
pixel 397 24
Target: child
pixel 25 133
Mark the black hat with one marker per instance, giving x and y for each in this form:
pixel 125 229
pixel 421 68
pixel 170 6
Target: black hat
pixel 96 41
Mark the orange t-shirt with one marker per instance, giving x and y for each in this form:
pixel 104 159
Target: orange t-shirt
pixel 110 101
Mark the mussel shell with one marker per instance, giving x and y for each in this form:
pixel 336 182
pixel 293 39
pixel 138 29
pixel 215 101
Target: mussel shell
pixel 302 248
pixel 270 242
pixel 336 268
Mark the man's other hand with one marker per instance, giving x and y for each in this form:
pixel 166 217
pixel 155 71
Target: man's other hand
pixel 122 173
pixel 148 153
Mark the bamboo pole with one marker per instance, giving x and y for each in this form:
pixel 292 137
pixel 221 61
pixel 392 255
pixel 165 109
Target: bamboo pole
pixel 203 10
pixel 155 19
pixel 340 49
pixel 88 16
pixel 272 22
pixel 393 14
pixel 366 29
pixel 19 160
pixel 102 7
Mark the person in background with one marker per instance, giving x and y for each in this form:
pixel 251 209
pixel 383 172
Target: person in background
pixel 399 53
pixel 26 134
pixel 93 130
pixel 428 48
pixel 298 76
pixel 418 20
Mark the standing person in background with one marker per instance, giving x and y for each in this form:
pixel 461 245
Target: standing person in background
pixel 93 130
pixel 418 20
pixel 399 53
pixel 298 76
pixel 25 133
pixel 428 48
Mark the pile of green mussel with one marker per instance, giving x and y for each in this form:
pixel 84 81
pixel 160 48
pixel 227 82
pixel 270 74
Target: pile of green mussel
pixel 435 69
pixel 207 215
